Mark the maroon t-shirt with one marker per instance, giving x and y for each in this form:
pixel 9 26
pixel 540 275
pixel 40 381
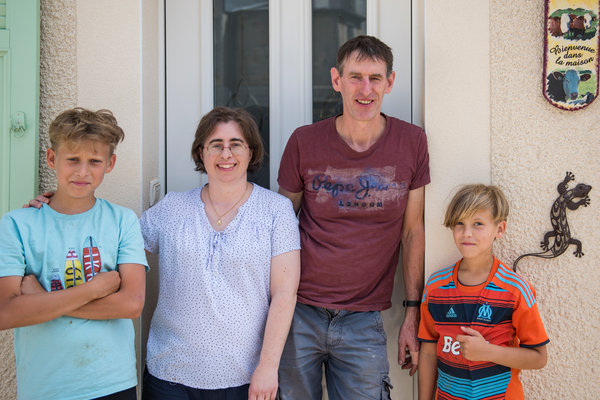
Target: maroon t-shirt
pixel 352 210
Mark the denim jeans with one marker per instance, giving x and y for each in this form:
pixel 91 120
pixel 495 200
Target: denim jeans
pixel 352 347
pixel 157 389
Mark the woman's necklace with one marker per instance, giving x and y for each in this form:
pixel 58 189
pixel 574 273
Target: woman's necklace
pixel 215 210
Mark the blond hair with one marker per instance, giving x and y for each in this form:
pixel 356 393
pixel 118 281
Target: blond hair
pixel 470 198
pixel 76 125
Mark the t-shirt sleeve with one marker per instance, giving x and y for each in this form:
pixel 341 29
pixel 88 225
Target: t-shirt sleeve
pixel 131 242
pixel 421 177
pixel 290 177
pixel 527 321
pixel 150 223
pixel 285 235
pixel 12 253
pixel 427 332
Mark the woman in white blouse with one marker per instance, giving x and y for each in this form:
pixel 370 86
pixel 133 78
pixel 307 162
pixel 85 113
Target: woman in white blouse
pixel 229 265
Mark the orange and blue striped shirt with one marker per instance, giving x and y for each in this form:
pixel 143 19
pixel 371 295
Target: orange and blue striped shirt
pixel 503 309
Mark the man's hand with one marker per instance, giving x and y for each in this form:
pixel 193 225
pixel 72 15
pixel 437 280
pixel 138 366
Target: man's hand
pixel 41 198
pixel 30 285
pixel 263 385
pixel 407 341
pixel 473 346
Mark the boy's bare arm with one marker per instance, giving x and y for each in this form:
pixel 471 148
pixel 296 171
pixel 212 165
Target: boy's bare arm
pixel 475 348
pixel 22 307
pixel 427 370
pixel 126 303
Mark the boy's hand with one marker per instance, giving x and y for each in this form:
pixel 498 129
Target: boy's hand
pixel 30 285
pixel 106 283
pixel 41 198
pixel 473 346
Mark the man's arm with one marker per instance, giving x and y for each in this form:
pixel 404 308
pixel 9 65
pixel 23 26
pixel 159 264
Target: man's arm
pixel 18 310
pixel 427 370
pixel 474 347
pixel 126 303
pixel 296 198
pixel 413 253
pixel 285 276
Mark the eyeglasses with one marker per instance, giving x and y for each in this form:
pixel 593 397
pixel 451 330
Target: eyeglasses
pixel 237 149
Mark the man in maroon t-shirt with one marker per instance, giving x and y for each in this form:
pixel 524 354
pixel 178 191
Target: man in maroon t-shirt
pixel 359 178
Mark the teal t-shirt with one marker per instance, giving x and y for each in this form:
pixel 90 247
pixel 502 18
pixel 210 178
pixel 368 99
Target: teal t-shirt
pixel 71 358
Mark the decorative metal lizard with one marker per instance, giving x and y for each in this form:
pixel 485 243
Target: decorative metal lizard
pixel 558 218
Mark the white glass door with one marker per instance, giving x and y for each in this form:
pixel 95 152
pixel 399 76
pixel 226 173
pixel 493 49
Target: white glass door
pixel 272 58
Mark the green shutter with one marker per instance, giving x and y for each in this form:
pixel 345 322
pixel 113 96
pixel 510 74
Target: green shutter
pixel 19 93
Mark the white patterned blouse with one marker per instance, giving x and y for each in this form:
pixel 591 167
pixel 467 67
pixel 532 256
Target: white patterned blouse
pixel 213 300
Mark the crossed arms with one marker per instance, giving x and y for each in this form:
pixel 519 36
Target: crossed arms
pixel 110 295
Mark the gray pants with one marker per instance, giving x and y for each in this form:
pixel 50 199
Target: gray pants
pixel 351 345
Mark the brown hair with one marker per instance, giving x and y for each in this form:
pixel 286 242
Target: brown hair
pixel 247 125
pixel 471 198
pixel 76 125
pixel 365 46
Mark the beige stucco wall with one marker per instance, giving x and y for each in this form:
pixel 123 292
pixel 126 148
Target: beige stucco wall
pixel 108 76
pixel 533 145
pixel 457 112
pixel 58 72
pixel 487 121
pixel 8 382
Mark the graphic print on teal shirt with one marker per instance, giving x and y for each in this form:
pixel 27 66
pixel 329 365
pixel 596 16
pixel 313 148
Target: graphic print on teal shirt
pixel 91 258
pixel 73 274
pixel 56 283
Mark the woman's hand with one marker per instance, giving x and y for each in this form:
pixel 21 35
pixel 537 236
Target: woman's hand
pixel 41 198
pixel 263 385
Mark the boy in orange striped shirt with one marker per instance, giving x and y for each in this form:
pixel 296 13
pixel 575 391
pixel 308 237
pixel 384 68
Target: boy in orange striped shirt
pixel 479 320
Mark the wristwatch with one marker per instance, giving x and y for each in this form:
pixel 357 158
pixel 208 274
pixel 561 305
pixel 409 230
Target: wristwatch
pixel 411 303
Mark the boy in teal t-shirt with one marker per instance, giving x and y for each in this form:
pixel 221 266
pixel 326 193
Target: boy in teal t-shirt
pixel 72 274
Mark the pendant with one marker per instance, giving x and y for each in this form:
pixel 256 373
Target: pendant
pixel 219 222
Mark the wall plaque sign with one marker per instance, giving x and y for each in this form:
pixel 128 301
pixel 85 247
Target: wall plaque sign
pixel 571 44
